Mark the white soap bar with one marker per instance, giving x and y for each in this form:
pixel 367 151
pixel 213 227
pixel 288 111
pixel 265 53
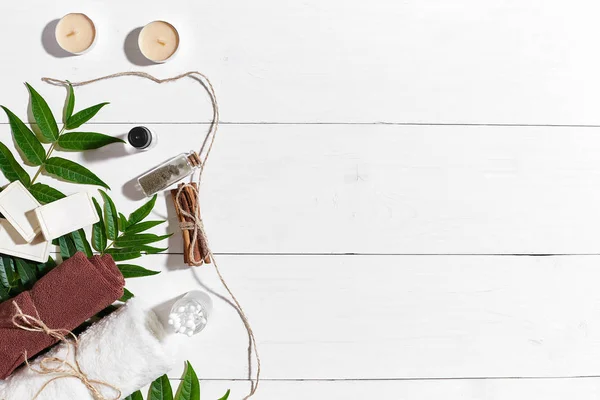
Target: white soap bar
pixel 67 215
pixel 17 205
pixel 12 244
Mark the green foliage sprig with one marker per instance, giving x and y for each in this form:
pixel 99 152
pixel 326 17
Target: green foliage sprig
pixel 32 147
pixel 123 238
pixel 126 235
pixel 160 389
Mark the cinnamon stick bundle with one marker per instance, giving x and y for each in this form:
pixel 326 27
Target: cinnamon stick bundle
pixel 188 202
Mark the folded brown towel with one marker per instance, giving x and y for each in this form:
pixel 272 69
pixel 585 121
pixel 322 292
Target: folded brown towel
pixel 64 298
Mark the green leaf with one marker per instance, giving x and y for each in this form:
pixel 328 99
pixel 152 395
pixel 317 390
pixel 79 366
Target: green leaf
pixel 44 268
pixel 3 274
pixel 86 140
pixel 123 224
pixel 7 272
pixel 44 193
pixel 142 212
pixel 226 395
pixel 43 116
pixel 4 293
pixel 142 226
pixel 28 143
pixel 189 388
pixel 26 271
pixel 111 218
pixel 135 271
pixel 124 254
pixel 150 249
pixel 135 396
pixel 83 116
pixel 70 103
pixel 67 247
pixel 126 295
pixel 133 252
pixel 11 169
pixel 133 240
pixel 98 230
pixel 72 172
pixel 81 243
pixel 161 389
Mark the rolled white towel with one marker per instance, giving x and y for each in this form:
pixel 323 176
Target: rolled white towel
pixel 127 349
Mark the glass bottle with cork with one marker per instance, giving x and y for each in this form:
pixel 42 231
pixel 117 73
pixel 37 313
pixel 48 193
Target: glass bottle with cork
pixel 169 172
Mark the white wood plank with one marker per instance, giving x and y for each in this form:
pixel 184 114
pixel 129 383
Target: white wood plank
pixel 520 389
pixel 465 61
pixel 389 317
pixel 378 189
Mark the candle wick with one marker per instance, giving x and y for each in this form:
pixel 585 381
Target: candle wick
pixel 162 43
pixel 73 32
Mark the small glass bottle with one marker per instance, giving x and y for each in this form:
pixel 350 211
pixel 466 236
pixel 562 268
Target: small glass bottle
pixel 189 314
pixel 168 173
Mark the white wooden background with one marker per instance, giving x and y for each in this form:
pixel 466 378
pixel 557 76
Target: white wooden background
pixel 405 195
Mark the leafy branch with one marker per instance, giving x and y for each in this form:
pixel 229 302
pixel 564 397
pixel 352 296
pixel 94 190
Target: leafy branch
pixel 35 154
pixel 160 389
pixel 123 238
pixel 128 240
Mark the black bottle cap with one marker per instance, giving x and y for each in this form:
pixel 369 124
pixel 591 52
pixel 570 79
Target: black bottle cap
pixel 140 137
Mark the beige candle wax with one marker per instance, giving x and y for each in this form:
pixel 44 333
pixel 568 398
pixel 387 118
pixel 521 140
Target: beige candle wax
pixel 75 33
pixel 158 41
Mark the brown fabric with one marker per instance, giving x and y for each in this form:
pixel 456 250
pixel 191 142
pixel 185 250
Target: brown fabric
pixel 65 298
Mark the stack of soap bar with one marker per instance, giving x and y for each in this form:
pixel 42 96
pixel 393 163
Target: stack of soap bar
pixel 18 205
pixel 25 217
pixel 66 215
pixel 12 244
pixel 19 231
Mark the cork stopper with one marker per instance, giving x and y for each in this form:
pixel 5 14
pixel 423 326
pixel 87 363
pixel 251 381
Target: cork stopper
pixel 194 159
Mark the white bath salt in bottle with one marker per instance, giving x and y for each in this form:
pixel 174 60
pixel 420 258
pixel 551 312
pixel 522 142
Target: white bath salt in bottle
pixel 168 173
pixel 189 314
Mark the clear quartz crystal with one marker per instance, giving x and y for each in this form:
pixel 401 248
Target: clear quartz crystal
pixel 189 314
pixel 166 174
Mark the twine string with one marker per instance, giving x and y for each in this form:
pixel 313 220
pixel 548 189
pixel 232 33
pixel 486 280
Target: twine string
pixel 59 367
pixel 35 324
pixel 199 76
pixel 196 225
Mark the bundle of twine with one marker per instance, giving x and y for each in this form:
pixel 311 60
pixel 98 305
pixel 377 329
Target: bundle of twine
pixel 197 227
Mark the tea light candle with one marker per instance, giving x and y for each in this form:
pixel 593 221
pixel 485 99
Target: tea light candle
pixel 75 33
pixel 158 41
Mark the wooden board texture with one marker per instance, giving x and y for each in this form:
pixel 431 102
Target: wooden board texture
pixel 403 194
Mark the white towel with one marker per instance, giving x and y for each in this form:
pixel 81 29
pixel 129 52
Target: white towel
pixel 128 349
